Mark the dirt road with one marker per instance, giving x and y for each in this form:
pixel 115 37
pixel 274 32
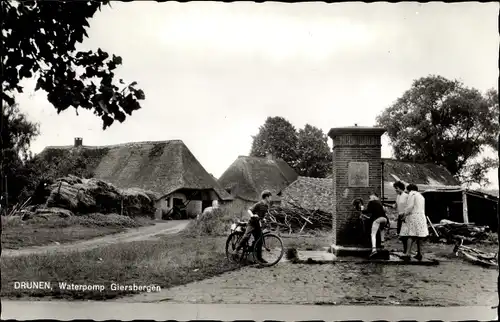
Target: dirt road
pixel 448 284
pixel 135 234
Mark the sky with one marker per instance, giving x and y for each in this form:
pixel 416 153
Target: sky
pixel 213 72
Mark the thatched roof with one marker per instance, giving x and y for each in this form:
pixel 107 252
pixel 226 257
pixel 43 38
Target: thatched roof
pixel 162 166
pixel 427 176
pixel 418 173
pixel 247 177
pixel 311 193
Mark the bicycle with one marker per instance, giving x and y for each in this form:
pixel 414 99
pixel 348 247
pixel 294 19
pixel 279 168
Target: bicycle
pixel 474 255
pixel 237 231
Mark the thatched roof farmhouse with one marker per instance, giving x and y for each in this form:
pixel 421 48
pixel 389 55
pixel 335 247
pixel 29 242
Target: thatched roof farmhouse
pixel 165 167
pixel 247 177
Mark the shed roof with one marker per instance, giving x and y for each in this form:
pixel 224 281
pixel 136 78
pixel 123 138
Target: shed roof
pixel 418 173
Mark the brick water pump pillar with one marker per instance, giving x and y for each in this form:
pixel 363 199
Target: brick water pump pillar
pixel 357 170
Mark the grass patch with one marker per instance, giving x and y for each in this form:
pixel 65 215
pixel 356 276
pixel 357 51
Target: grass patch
pixel 170 261
pixel 39 231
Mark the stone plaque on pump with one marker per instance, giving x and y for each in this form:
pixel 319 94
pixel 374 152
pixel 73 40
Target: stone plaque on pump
pixel 357 174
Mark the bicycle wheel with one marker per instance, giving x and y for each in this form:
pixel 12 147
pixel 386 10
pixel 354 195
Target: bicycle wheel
pixel 272 250
pixel 231 243
pixel 479 261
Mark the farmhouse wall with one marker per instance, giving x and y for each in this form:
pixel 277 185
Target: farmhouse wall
pixel 239 207
pixel 194 208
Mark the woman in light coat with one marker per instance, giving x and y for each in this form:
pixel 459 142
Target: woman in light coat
pixel 400 206
pixel 414 225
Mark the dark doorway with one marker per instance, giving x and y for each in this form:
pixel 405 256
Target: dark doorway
pixel 205 204
pixel 178 209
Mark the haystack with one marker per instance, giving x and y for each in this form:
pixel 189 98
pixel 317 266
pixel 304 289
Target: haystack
pixel 137 202
pixel 213 223
pixel 84 196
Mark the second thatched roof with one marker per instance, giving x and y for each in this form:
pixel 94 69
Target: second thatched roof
pixel 247 177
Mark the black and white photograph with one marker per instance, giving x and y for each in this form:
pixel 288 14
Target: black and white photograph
pixel 209 160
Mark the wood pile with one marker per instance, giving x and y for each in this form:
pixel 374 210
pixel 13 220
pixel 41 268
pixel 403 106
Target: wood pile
pixel 294 218
pixel 450 231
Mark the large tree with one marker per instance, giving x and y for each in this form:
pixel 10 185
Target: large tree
pixel 314 155
pixel 39 41
pixel 278 137
pixel 442 121
pixel 306 150
pixel 17 132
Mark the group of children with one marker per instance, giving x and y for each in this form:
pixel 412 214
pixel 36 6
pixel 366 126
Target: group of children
pixel 412 221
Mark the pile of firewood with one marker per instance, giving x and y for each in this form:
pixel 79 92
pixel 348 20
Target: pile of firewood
pixel 294 218
pixel 450 231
